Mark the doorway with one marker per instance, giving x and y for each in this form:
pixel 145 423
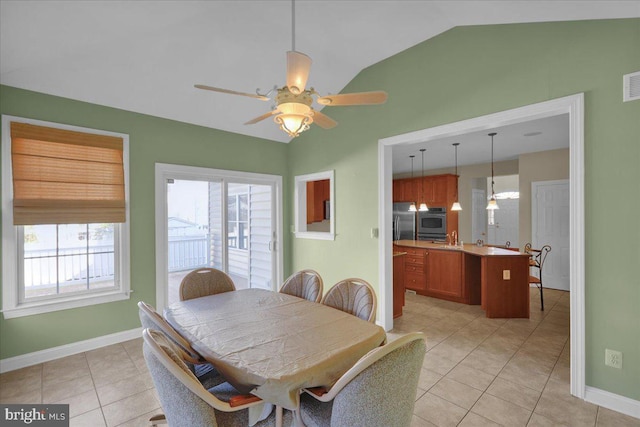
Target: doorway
pixel 573 106
pixel 220 219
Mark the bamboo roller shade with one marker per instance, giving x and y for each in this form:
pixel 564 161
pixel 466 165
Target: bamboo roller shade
pixel 66 177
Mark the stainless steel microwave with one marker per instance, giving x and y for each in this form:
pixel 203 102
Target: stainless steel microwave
pixel 432 224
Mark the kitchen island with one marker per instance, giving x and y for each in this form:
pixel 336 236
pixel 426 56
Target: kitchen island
pixel 495 278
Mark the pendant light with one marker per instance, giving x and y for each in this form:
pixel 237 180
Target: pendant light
pixel 456 206
pixel 423 206
pixel 412 206
pixel 492 205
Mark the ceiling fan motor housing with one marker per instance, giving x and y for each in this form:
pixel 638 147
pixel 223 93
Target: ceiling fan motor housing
pixel 285 96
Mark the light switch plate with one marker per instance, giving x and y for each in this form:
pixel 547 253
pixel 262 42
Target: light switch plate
pixel 506 274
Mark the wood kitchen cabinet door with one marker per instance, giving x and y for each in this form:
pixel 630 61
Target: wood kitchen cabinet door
pixel 317 193
pixel 414 278
pixel 405 190
pixel 439 187
pixel 443 271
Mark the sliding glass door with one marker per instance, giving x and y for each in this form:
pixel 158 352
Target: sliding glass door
pixel 221 219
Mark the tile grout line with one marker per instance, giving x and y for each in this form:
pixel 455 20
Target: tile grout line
pixel 496 376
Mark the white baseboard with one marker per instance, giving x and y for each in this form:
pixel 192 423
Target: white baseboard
pixel 612 401
pixel 30 359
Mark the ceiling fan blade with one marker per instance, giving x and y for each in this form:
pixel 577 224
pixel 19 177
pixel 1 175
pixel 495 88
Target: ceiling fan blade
pixel 262 117
pixel 359 98
pixel 298 66
pixel 323 120
pixel 232 92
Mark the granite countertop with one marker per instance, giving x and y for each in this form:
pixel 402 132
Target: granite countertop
pixel 466 248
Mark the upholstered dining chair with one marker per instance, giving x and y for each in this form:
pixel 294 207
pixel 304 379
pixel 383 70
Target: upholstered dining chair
pixel 379 390
pixel 305 284
pixel 204 371
pixel 538 257
pixel 203 282
pixel 354 296
pixel 186 403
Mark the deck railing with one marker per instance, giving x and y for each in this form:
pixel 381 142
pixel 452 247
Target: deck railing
pixel 188 252
pixel 45 267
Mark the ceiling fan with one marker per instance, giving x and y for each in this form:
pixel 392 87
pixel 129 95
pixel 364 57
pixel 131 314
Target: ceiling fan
pixel 292 110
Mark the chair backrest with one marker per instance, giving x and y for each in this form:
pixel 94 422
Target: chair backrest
pixel 183 398
pixel 354 296
pixel 203 282
pixel 538 256
pixel 380 389
pixel 305 284
pixel 150 319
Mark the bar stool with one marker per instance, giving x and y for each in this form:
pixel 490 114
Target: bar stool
pixel 537 259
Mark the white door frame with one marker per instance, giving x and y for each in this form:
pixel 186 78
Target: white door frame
pixel 165 171
pixel 574 106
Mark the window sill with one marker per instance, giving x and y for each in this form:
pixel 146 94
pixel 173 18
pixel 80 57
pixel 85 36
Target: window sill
pixel 30 309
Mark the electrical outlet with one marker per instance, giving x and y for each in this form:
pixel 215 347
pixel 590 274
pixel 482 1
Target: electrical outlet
pixel 506 274
pixel 613 358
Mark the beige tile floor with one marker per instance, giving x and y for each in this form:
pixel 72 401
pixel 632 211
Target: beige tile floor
pixel 477 372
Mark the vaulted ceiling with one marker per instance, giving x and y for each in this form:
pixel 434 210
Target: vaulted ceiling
pixel 145 56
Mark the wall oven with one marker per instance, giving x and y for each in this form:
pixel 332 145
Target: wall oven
pixel 432 224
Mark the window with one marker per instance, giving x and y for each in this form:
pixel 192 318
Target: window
pixel 238 223
pixel 65 228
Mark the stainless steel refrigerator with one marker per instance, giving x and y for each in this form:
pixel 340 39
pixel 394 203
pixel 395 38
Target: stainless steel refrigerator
pixel 404 222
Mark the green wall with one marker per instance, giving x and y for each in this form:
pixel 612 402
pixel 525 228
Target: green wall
pixel 472 71
pixel 463 73
pixel 151 140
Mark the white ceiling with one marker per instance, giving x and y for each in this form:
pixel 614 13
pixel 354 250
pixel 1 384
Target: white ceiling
pixel 550 133
pixel 145 56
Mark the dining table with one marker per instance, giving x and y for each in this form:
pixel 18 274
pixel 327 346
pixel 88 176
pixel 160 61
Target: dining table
pixel 272 344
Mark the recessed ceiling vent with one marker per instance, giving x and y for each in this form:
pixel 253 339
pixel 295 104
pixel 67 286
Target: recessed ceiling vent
pixel 631 84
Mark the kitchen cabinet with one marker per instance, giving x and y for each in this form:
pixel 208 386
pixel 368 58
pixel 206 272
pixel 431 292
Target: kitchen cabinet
pixel 439 190
pixel 443 274
pixel 414 269
pixel 495 278
pixel 398 283
pixel 318 192
pixel 406 190
pixel 434 190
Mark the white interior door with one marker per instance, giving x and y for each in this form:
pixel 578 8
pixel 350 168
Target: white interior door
pixel 479 215
pixel 550 226
pixel 505 228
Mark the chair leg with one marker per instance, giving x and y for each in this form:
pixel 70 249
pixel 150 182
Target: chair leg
pixel 541 297
pixel 157 420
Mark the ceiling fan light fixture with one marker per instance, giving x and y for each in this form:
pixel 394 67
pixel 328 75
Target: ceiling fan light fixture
pixel 293 124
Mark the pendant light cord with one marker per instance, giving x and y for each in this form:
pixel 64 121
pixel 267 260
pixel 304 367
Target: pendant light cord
pixel 456 146
pixel 422 150
pixel 492 182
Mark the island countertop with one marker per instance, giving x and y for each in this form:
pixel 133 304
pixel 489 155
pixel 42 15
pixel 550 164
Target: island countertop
pixel 467 248
pixel 495 278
